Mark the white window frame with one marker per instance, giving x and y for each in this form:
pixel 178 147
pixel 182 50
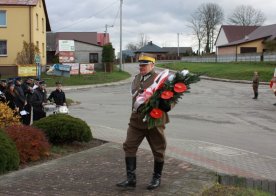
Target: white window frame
pixel 6 18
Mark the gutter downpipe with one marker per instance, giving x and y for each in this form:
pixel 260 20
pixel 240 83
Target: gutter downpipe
pixel 30 24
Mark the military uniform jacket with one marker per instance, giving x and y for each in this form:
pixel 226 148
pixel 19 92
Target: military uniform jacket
pixel 139 84
pixel 38 98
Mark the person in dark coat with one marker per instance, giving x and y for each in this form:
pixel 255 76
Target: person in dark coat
pixel 255 85
pixel 20 93
pixel 28 92
pixel 38 100
pixel 3 86
pixel 138 129
pixel 58 95
pixel 11 97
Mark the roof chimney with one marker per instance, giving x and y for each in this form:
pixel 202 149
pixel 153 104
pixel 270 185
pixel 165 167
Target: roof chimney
pixel 150 43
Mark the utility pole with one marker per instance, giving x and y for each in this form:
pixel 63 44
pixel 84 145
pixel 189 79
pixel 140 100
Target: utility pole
pixel 105 33
pixel 121 18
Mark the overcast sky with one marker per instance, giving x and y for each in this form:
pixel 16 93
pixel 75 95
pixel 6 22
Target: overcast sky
pixel 159 20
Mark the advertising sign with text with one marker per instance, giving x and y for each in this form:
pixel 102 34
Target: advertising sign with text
pixel 86 68
pixel 27 70
pixel 74 68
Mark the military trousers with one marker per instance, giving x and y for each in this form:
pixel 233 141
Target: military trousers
pixel 154 136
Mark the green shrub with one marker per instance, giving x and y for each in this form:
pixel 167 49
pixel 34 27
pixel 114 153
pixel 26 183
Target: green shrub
pixel 9 158
pixel 31 142
pixel 63 128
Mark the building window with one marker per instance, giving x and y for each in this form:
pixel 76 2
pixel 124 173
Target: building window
pixel 37 22
pixel 3 47
pixel 37 45
pixel 3 18
pixel 248 50
pixel 43 50
pixel 93 58
pixel 42 25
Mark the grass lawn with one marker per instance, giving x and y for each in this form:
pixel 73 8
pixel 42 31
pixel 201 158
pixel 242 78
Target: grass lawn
pixel 97 78
pixel 219 190
pixel 234 71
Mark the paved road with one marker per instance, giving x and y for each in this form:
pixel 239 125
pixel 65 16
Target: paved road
pixel 217 125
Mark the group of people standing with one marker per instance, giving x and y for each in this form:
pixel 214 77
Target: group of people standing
pixel 28 97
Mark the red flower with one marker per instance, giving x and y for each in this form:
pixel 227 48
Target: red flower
pixel 167 94
pixel 180 87
pixel 156 113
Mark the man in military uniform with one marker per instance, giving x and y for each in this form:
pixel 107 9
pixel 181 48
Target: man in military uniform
pixel 28 92
pixel 38 100
pixel 138 129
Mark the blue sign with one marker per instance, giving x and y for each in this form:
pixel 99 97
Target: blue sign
pixel 62 67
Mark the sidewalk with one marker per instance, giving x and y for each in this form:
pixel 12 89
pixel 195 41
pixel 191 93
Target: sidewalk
pixel 97 170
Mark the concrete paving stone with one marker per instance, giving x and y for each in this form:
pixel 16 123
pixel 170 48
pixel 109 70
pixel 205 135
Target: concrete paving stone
pixel 96 171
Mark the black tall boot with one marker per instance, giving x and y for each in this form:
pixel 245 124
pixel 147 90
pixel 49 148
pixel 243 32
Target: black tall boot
pixel 130 182
pixel 156 178
pixel 255 95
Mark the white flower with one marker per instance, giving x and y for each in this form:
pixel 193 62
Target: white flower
pixel 185 72
pixel 171 77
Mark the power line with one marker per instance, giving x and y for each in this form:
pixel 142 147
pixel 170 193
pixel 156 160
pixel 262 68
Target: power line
pixel 116 17
pixel 85 19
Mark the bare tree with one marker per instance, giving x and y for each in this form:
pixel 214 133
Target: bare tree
pixel 142 40
pixel 246 15
pixel 27 55
pixel 197 26
pixel 211 15
pixel 131 46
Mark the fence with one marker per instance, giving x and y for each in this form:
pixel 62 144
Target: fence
pixel 249 57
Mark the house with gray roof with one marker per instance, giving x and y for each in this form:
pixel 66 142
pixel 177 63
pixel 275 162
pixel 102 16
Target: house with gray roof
pixel 252 42
pixel 165 53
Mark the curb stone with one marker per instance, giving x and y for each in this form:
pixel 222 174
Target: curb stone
pixel 260 184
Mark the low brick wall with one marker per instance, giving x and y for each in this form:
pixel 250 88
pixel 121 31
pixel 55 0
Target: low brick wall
pixel 8 71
